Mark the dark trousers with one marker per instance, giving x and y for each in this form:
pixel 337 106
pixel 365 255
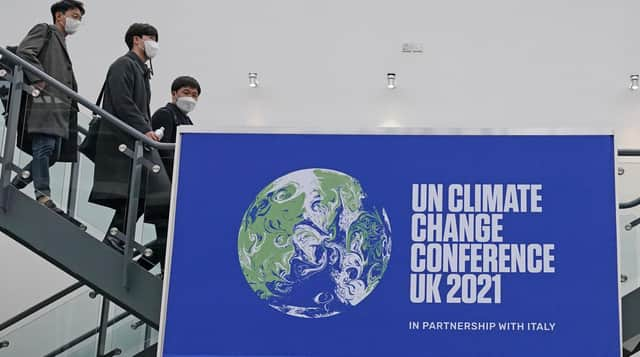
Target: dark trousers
pixel 46 152
pixel 158 246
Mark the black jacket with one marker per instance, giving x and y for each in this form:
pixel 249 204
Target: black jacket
pixel 169 117
pixel 127 96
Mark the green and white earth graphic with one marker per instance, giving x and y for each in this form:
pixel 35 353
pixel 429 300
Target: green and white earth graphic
pixel 310 246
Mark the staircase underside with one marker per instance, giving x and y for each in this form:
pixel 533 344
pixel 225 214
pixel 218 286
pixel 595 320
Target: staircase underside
pixel 80 255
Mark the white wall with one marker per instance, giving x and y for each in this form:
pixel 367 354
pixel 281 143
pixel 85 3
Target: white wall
pixel 25 279
pixel 486 64
pixel 322 64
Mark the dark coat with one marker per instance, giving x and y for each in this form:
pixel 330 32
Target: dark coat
pixel 169 117
pixel 52 112
pixel 126 96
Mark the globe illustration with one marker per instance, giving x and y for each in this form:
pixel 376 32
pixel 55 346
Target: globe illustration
pixel 310 246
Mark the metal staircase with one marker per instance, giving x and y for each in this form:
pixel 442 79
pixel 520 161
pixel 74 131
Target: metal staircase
pixel 114 308
pixel 81 256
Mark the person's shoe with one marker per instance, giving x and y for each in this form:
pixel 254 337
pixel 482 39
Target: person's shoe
pixel 114 243
pixel 47 202
pixel 19 183
pixel 146 263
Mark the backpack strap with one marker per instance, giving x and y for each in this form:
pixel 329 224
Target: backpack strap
pixel 45 46
pixel 174 115
pixel 96 116
pixel 170 111
pixel 101 95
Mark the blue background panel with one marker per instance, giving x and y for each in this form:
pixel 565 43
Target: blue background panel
pixel 212 310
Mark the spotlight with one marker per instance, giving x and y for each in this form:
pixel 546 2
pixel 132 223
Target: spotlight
pixel 635 78
pixel 253 79
pixel 391 80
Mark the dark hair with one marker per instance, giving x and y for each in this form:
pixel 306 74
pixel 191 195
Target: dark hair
pixel 64 6
pixel 185 81
pixel 139 30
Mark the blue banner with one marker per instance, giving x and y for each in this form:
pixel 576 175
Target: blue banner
pixel 393 245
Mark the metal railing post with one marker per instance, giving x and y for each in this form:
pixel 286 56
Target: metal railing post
pixel 147 336
pixel 73 188
pixel 11 136
pixel 102 329
pixel 132 210
pixel 74 180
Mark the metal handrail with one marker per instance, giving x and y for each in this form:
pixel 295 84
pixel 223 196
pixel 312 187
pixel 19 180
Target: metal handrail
pixel 630 204
pixel 629 226
pixel 635 202
pixel 4 53
pixel 41 305
pixel 629 152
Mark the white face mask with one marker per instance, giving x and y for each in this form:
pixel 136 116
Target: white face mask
pixel 151 48
pixel 71 25
pixel 186 104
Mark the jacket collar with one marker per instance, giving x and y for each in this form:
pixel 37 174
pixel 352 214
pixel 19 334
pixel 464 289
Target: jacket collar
pixel 60 37
pixel 135 57
pixel 143 67
pixel 183 119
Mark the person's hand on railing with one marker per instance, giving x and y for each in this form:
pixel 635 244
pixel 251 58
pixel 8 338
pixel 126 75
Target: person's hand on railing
pixel 151 135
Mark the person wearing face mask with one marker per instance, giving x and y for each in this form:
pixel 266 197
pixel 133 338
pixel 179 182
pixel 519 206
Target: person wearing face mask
pixel 185 92
pixel 126 94
pixel 49 132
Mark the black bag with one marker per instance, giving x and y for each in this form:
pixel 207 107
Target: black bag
pixel 5 85
pixel 90 142
pixel 23 141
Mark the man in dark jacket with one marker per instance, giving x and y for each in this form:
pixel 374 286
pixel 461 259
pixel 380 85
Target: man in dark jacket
pixel 127 95
pixel 185 92
pixel 51 119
